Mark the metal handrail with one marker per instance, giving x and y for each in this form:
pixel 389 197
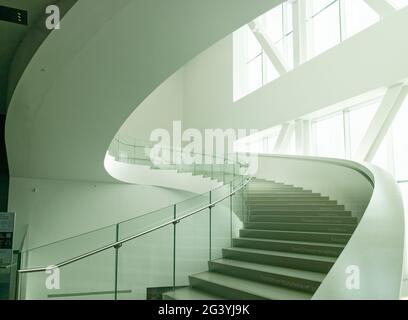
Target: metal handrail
pixel 118 244
pixel 119 141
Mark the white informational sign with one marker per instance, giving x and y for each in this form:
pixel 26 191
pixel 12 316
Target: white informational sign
pixel 6 238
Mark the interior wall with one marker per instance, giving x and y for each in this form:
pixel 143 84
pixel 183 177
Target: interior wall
pixel 60 209
pixel 372 59
pixel 159 110
pixel 208 88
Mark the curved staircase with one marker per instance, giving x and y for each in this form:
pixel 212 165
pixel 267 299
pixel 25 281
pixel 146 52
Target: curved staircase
pixel 290 240
pixel 263 240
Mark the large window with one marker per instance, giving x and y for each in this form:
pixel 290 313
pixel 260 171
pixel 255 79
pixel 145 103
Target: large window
pixel 357 16
pixel 400 141
pixel 359 120
pixel 327 23
pixel 277 24
pixel 253 68
pixel 260 142
pixel 393 152
pixel 329 136
pixel 404 191
pixel 399 3
pixel 323 26
pixel 332 21
pixel 338 135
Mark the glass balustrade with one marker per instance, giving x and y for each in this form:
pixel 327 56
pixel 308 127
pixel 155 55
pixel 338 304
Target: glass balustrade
pixel 148 255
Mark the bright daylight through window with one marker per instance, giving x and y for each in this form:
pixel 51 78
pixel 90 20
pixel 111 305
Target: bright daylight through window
pixel 324 24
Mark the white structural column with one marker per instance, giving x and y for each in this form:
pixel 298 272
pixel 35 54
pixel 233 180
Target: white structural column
pixel 307 137
pixel 347 134
pixel 381 122
pixel 299 136
pixel 299 32
pixel 303 137
pixel 273 54
pixel 382 7
pixel 284 138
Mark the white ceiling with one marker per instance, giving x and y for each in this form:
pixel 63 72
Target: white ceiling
pixel 11 35
pixel 88 77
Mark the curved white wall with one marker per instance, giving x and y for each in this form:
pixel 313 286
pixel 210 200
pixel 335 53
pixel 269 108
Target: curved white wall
pixel 158 111
pixel 374 256
pixel 372 263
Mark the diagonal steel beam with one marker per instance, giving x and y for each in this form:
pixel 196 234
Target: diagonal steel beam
pixel 382 121
pixel 284 138
pixel 273 54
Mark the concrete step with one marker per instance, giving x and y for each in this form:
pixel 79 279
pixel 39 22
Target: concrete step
pixel 339 238
pixel 285 195
pixel 300 212
pixel 273 188
pixel 306 281
pixel 314 248
pixel 268 183
pixel 189 293
pixel 293 206
pixel 308 227
pixel 275 202
pixel 303 219
pixel 268 193
pixel 299 261
pixel 271 198
pixel 242 289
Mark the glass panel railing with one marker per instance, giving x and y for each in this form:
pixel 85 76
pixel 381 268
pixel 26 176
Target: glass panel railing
pixel 87 279
pixel 145 266
pixel 191 204
pixel 152 253
pixel 64 249
pixel 145 222
pixel 221 221
pixel 239 204
pixel 192 247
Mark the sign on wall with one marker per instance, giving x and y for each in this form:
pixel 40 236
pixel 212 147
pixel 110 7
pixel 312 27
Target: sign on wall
pixel 13 15
pixel 6 237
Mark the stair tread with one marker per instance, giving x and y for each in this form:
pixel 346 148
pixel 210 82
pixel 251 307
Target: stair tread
pixel 190 293
pixel 295 273
pixel 295 199
pixel 252 287
pixel 279 192
pixel 304 213
pixel 284 254
pixel 276 216
pixel 298 204
pixel 333 245
pixel 305 210
pixel 301 223
pixel 299 232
